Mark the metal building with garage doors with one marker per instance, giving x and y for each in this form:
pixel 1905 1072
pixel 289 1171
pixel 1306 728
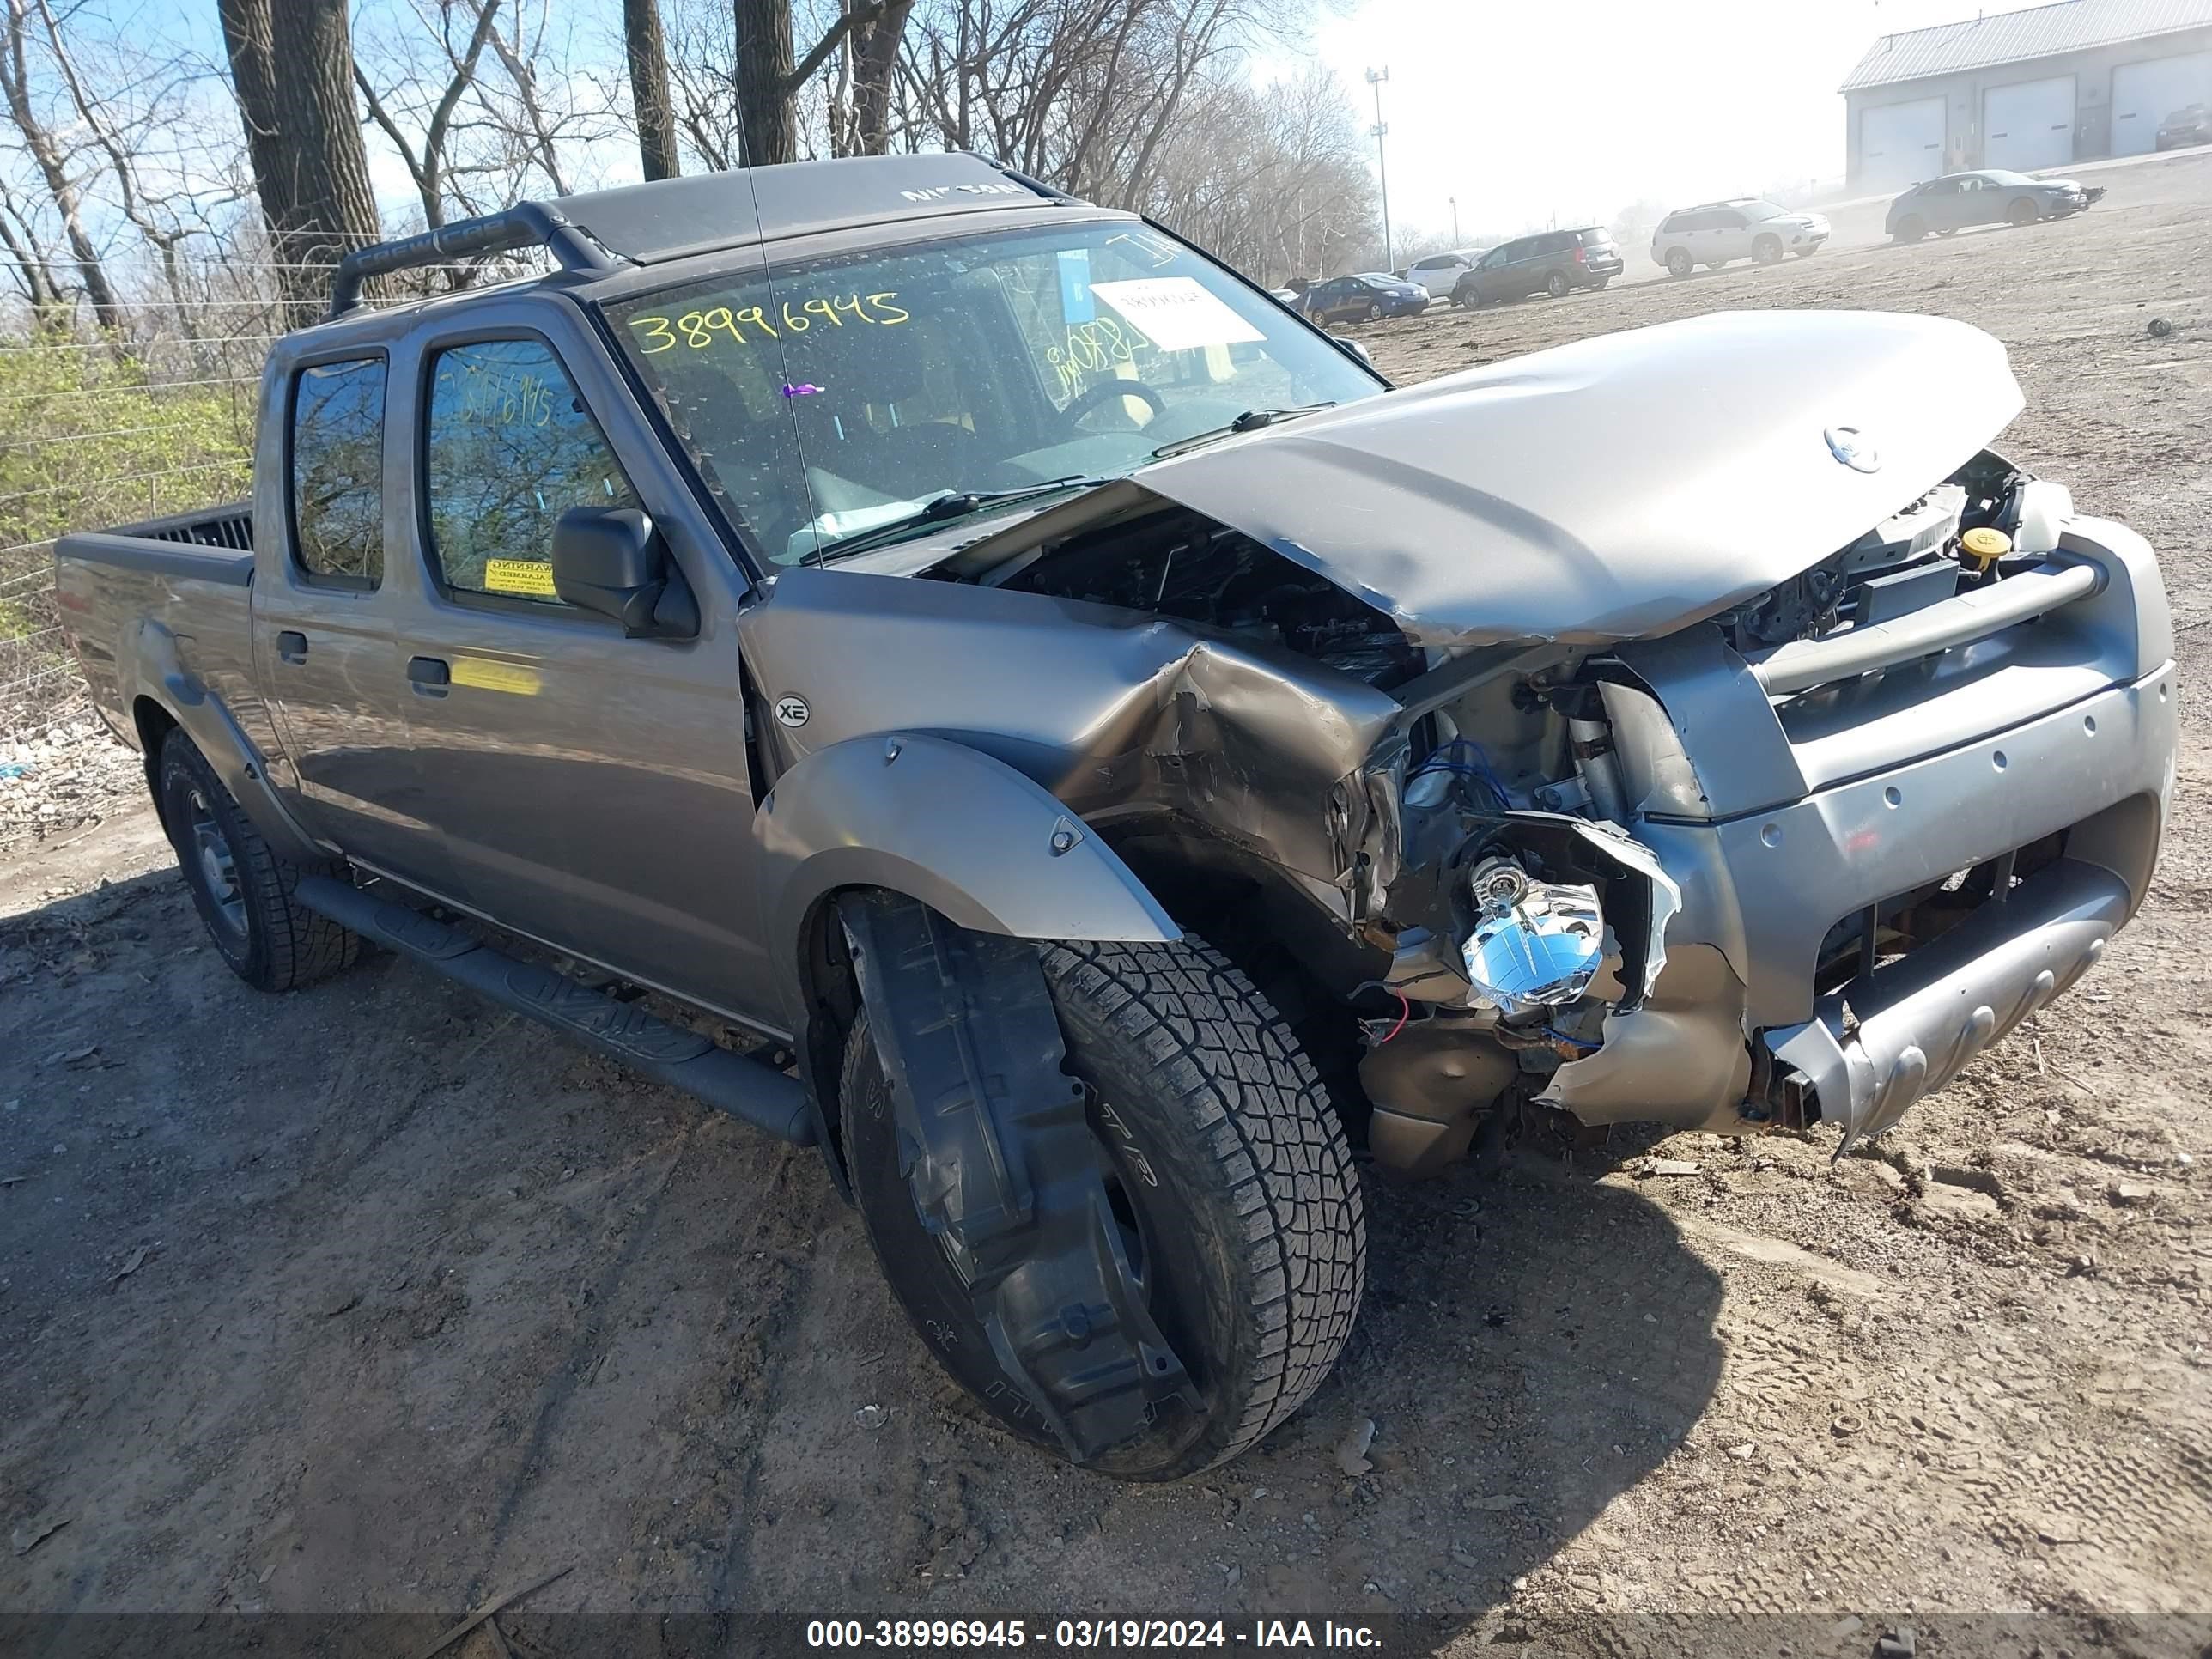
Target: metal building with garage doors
pixel 2030 90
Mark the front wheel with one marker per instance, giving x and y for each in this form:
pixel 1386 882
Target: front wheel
pixel 241 889
pixel 2024 212
pixel 1225 1169
pixel 1374 312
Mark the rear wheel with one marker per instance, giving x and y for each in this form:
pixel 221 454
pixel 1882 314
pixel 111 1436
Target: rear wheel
pixel 1910 229
pixel 1227 1174
pixel 242 890
pixel 1556 285
pixel 1767 250
pixel 2024 212
pixel 1679 262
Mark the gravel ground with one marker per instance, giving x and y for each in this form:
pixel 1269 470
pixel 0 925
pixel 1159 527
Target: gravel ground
pixel 371 1299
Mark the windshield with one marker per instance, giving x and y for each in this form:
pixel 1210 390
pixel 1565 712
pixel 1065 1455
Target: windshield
pixel 1760 210
pixel 823 398
pixel 1999 177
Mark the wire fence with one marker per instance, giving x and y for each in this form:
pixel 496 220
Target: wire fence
pixel 89 440
pixel 152 416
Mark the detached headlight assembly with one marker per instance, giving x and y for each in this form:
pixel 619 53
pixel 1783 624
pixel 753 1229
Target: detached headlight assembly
pixel 1535 945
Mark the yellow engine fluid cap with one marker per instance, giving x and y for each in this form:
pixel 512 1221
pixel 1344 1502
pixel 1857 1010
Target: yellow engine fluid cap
pixel 1986 544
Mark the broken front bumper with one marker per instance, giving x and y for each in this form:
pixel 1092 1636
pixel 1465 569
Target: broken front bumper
pixel 2028 750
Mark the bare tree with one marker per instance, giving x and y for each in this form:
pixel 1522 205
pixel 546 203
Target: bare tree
pixel 768 79
pixel 292 68
pixel 426 153
pixel 648 88
pixel 53 160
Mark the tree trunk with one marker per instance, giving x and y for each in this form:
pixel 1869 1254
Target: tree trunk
pixel 769 125
pixel 291 63
pixel 875 62
pixel 648 88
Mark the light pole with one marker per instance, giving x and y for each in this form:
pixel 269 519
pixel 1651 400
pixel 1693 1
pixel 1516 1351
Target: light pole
pixel 1375 79
pixel 1454 200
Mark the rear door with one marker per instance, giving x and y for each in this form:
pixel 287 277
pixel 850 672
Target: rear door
pixel 322 615
pixel 592 789
pixel 1729 236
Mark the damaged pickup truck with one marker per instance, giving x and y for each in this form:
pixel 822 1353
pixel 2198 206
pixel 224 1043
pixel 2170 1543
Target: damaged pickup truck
pixel 1059 734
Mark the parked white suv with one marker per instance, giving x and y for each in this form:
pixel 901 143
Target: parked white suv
pixel 1712 233
pixel 1439 274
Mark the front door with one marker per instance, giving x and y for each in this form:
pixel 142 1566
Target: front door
pixel 322 623
pixel 592 789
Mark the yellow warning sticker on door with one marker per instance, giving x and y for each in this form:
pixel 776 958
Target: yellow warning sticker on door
pixel 487 675
pixel 519 576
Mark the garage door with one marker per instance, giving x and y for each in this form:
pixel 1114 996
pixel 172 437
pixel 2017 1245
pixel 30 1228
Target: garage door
pixel 2028 124
pixel 1900 144
pixel 2144 94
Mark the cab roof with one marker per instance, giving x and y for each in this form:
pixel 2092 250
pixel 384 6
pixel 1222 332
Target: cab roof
pixel 669 219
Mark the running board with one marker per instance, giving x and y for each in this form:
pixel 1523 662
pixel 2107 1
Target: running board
pixel 764 1097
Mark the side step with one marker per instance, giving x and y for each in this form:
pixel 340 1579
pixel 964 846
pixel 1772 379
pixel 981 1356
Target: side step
pixel 766 1098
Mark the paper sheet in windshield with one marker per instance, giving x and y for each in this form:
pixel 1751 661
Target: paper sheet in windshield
pixel 1176 313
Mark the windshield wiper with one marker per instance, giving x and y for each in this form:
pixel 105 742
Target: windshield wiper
pixel 938 510
pixel 1250 421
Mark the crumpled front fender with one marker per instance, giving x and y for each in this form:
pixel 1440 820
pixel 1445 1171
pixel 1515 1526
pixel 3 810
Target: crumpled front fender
pixel 951 826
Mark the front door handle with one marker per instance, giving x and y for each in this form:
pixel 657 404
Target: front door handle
pixel 292 647
pixel 429 675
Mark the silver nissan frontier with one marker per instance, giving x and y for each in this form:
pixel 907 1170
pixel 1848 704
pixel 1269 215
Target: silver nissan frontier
pixel 953 676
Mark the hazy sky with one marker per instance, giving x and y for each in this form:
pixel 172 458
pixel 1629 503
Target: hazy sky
pixel 1576 107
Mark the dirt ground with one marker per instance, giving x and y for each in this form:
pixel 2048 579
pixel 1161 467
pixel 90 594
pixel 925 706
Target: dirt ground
pixel 373 1298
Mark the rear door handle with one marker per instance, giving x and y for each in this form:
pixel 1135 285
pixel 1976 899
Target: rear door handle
pixel 429 675
pixel 292 647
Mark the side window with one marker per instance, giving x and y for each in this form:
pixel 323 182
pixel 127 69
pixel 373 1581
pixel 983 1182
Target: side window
pixel 337 473
pixel 1727 220
pixel 510 446
pixel 1674 223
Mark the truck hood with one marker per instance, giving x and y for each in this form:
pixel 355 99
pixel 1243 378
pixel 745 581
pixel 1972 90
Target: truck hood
pixel 1620 486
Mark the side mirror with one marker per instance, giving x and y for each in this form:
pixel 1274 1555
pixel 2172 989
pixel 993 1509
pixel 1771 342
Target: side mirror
pixel 613 562
pixel 1354 348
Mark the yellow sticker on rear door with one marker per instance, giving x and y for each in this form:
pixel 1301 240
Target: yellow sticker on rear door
pixel 487 675
pixel 526 576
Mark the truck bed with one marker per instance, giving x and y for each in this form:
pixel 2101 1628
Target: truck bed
pixel 191 575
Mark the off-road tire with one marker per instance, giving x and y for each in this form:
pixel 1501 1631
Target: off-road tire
pixel 1767 250
pixel 1679 262
pixel 270 940
pixel 1256 1235
pixel 2024 212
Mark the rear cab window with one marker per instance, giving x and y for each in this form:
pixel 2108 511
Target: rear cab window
pixel 509 446
pixel 336 482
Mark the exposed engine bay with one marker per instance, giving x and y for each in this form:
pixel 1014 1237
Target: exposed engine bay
pixel 1514 916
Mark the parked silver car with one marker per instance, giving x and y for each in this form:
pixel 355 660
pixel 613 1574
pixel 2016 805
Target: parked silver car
pixel 1715 234
pixel 1439 274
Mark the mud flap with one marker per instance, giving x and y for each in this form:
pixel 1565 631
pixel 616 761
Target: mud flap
pixel 1004 1169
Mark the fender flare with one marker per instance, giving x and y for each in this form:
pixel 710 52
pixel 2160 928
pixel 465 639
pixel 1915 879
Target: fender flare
pixel 149 667
pixel 949 826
